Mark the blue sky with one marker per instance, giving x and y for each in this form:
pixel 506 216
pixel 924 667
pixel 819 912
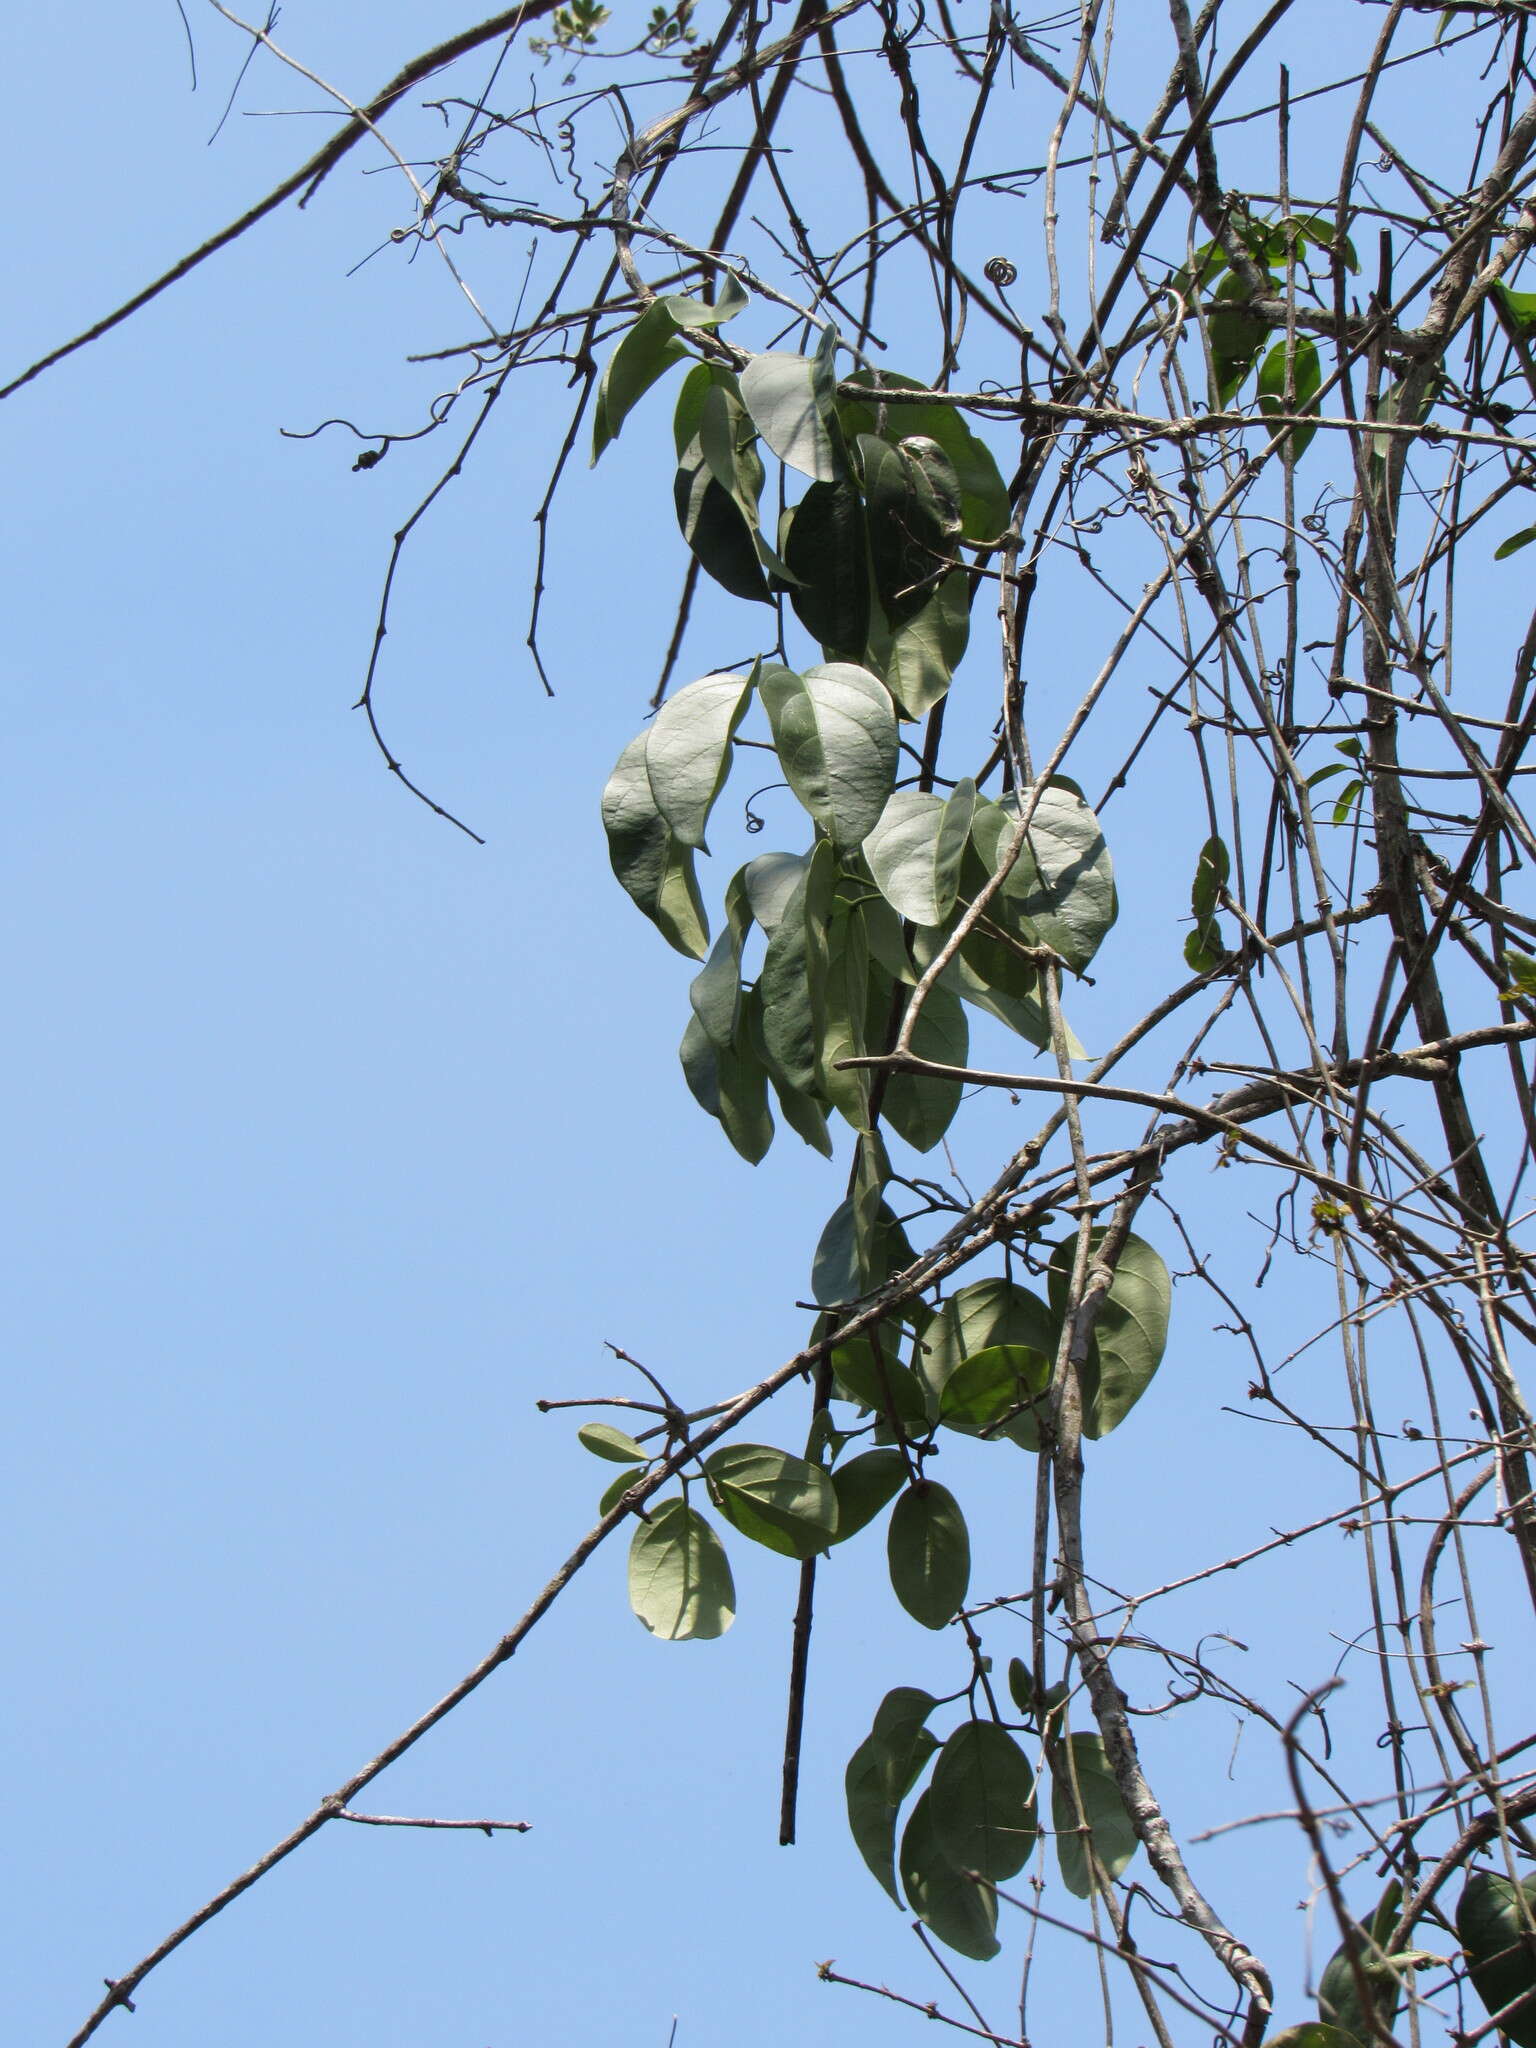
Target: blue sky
pixel 333 1141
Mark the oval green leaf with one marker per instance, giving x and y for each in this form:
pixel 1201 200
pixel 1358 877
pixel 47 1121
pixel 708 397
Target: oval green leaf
pixel 604 1441
pixel 780 1501
pixel 929 1552
pixel 882 1771
pixel 984 1801
pixel 863 1486
pixel 657 873
pixel 1130 1335
pixel 783 395
pixel 688 751
pixel 1493 1923
pixel 835 731
pixel 680 1581
pixel 1086 1809
pixel 960 1911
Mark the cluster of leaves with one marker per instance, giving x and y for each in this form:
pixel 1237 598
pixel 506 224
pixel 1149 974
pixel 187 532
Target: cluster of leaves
pixel 814 968
pixel 977 1823
pixel 1290 374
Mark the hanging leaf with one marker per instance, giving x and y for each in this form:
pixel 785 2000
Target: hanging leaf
pixel 1203 949
pixel 1493 1923
pixel 679 1576
pixel 827 550
pixel 782 1502
pixel 604 1441
pixel 792 984
pixel 843 1032
pixel 1084 1792
pixel 787 400
pixel 851 1259
pixel 688 751
pixel 863 1487
pixel 716 530
pixel 770 881
pixel 1236 338
pixel 731 1085
pixel 983 1801
pixel 715 991
pixel 912 504
pixel 983 494
pixel 615 1491
pixel 929 1552
pixel 1131 1332
pixel 879 1381
pixel 1060 890
pixel 653 868
pixel 835 731
pixel 803 1113
pixel 921 1107
pixel 882 1771
pixel 647 352
pixel 1306 381
pixel 1516 541
pixel 961 1912
pixel 915 849
pixel 924 651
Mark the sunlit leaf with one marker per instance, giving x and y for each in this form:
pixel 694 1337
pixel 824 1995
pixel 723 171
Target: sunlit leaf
pixel 653 868
pixel 679 1576
pixel 688 751
pixel 1061 888
pixel 835 731
pixel 604 1441
pixel 782 394
pixel 778 1500
pixel 1130 1334
pixel 915 849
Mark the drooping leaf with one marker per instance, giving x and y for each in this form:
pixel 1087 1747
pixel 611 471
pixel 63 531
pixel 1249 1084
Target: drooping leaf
pixel 864 1486
pixel 780 1501
pixel 983 1801
pixel 647 351
pixel 878 1380
pixel 851 1261
pixel 921 1107
pixel 915 848
pixel 616 1489
pixel 716 529
pixel 1236 337
pixel 961 1912
pixel 835 731
pixel 882 1771
pixel 787 400
pixel 1130 1335
pixel 924 651
pixel 1203 949
pixel 912 505
pixel 1493 1923
pixel 715 991
pixel 1306 380
pixel 680 1581
pixel 1516 541
pixel 803 1113
pixel 996 1392
pixel 828 552
pixel 1061 887
pixel 770 881
pixel 689 312
pixel 929 1552
pixel 1084 1792
pixel 983 494
pixel 653 868
pixel 730 1084
pixel 793 981
pixel 688 751
pixel 604 1441
pixel 843 1032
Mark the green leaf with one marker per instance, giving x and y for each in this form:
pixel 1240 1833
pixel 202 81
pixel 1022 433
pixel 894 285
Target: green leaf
pixel 1061 890
pixel 716 529
pixel 1520 305
pixel 863 1486
pixel 835 731
pixel 921 1107
pixel 1203 948
pixel 882 1771
pixel 827 550
pixel 1348 798
pixel 1522 973
pixel 929 1552
pixel 793 981
pixel 1236 337
pixel 779 1501
pixel 616 1489
pixel 690 313
pixel 1493 1922
pixel 1306 379
pixel 962 1913
pixel 715 991
pixel 770 881
pixel 1083 1789
pixel 881 1382
pixel 915 849
pixel 983 494
pixel 992 1392
pixel 679 1576
pixel 912 505
pixel 787 400
pixel 987 1316
pixel 1310 2034
pixel 656 871
pixel 647 352
pixel 924 651
pixel 688 751
pixel 843 1033
pixel 604 1441
pixel 1338 1992
pixel 983 1801
pixel 730 1084
pixel 1516 541
pixel 1131 1332
pixel 852 1261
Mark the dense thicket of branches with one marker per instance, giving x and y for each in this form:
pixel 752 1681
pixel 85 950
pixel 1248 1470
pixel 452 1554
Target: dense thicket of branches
pixel 1215 366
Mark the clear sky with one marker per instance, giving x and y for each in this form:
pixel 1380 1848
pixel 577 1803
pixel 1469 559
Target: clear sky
pixel 333 1141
